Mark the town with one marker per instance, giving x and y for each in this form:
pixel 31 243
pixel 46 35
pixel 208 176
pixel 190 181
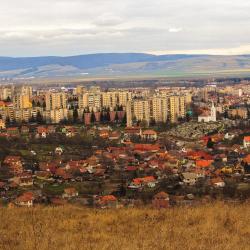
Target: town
pixel 124 147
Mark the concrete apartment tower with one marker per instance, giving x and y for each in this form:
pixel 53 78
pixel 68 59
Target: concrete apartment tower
pixel 213 113
pixel 129 114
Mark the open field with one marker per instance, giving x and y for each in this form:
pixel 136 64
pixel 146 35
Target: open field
pixel 215 226
pixel 123 65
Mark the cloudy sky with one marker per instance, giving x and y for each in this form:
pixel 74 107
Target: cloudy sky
pixel 69 27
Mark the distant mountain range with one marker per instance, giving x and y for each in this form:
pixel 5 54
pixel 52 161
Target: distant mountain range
pixel 124 64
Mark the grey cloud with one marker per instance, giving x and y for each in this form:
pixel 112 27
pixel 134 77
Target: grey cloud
pixel 53 27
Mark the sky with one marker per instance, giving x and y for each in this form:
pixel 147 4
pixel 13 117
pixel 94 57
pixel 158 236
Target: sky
pixel 72 27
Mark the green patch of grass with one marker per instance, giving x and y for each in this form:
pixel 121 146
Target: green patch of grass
pixel 54 189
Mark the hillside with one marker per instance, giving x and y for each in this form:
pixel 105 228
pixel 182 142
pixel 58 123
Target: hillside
pixel 124 64
pixel 209 227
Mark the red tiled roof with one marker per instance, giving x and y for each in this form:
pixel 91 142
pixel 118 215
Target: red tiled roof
pixel 247 138
pixel 247 159
pixel 199 155
pixel 2 104
pixel 161 195
pixel 107 198
pixel 70 190
pixel 203 163
pixel 144 180
pixel 131 168
pixel 25 197
pixel 41 130
pixel 147 147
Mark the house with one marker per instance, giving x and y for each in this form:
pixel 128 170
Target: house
pixel 238 169
pixel 69 131
pixel 104 134
pixel 203 163
pixel 26 199
pixel 148 181
pixel 246 159
pixel 199 155
pixel 115 135
pixel 147 147
pixel 75 165
pixel 43 175
pixel 59 151
pixel 25 130
pixel 246 141
pixel 42 131
pixel 189 178
pixel 2 124
pixel 51 129
pixel 161 200
pixel 13 131
pixel 63 174
pixel 49 166
pixel 229 136
pixel 14 163
pixel 107 201
pixel 247 170
pixel 25 179
pixel 217 182
pixel 149 134
pixel 70 193
pixel 132 131
pixel 208 116
pixel 2 185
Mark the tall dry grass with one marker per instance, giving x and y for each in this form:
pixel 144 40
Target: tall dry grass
pixel 214 227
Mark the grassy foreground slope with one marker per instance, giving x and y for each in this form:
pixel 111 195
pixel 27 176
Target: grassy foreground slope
pixel 208 227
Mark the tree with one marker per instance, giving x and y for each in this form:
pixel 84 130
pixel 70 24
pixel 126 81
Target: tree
pixel 64 121
pixel 210 143
pixel 92 117
pixel 39 117
pixel 152 122
pixel 5 173
pixel 101 117
pixel 33 103
pixel 188 117
pixel 124 119
pixel 144 123
pixel 7 121
pixel 226 114
pixel 13 121
pixel 75 115
pixel 32 119
pixel 108 116
pixel 116 117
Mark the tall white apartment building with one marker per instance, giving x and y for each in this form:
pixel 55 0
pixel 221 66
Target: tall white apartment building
pixel 90 100
pixel 141 110
pixel 55 100
pixel 159 108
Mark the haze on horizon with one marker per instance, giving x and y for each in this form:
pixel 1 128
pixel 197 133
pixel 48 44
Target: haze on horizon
pixel 71 27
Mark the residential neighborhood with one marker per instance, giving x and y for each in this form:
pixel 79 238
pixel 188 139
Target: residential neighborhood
pixel 122 162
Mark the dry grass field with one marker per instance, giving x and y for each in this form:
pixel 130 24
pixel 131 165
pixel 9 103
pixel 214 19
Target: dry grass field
pixel 214 227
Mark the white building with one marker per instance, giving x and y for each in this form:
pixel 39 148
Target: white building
pixel 246 142
pixel 208 116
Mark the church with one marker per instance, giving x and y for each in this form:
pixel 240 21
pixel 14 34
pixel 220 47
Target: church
pixel 208 116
